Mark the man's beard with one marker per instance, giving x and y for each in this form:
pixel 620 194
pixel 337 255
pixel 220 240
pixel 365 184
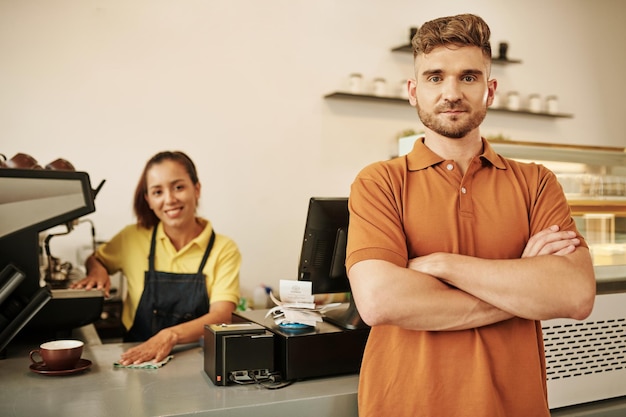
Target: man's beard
pixel 451 129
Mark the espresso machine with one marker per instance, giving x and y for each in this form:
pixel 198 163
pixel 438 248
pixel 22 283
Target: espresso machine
pixel 34 285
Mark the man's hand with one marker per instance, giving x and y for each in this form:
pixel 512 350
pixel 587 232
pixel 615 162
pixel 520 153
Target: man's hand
pixel 551 241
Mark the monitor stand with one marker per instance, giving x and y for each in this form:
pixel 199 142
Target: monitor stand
pixel 348 318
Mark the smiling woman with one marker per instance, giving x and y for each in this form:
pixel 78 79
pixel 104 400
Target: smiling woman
pixel 173 199
pixel 168 192
pixel 181 274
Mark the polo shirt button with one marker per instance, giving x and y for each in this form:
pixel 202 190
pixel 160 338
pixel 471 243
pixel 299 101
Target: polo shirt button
pixel 450 167
pixel 463 190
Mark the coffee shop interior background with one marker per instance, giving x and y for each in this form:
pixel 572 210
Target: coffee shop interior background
pixel 240 86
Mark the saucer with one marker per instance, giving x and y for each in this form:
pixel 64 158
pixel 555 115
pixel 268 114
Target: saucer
pixel 42 369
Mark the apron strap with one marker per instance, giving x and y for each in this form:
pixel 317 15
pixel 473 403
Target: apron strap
pixel 152 245
pixel 204 258
pixel 207 252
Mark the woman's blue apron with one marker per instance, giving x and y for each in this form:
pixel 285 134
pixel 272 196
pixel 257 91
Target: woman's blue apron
pixel 169 299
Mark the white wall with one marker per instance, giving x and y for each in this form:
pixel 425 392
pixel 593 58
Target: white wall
pixel 239 85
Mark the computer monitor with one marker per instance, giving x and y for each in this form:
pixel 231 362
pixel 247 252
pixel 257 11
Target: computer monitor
pixel 323 256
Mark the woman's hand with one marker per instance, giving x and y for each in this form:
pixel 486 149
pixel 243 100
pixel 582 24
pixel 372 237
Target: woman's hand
pixel 97 277
pixel 156 348
pixel 161 344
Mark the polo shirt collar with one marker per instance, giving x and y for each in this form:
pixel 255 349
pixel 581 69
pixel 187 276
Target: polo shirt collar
pixel 202 240
pixel 489 154
pixel 422 157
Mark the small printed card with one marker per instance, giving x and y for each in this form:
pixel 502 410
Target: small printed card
pixel 296 292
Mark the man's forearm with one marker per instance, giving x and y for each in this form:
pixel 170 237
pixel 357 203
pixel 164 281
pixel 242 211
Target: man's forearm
pixel 538 288
pixel 416 301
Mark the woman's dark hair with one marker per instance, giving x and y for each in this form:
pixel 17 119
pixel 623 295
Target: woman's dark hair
pixel 145 216
pixel 460 30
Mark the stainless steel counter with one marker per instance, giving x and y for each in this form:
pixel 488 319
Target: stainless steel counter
pixel 181 388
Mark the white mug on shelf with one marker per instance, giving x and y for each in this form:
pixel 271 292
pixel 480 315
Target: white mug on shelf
pixel 380 86
pixel 512 101
pixel 354 83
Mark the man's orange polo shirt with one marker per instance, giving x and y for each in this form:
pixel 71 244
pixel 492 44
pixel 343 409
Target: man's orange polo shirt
pixel 419 204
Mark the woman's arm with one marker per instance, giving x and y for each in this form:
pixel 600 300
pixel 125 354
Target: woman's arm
pixel 161 344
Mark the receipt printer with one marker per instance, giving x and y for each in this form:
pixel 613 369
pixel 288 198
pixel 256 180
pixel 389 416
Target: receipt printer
pixel 238 352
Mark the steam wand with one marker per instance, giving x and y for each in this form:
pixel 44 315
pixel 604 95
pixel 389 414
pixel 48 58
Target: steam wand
pixel 52 261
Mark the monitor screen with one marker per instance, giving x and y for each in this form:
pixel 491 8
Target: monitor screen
pixel 323 256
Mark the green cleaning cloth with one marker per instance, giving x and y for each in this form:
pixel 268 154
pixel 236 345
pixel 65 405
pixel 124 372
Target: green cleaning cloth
pixel 146 365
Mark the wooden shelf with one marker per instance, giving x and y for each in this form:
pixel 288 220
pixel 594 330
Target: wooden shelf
pixel 366 97
pixel 403 48
pixel 495 60
pixel 400 100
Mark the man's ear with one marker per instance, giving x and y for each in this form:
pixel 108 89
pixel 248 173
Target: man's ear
pixel 411 86
pixel 492 85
